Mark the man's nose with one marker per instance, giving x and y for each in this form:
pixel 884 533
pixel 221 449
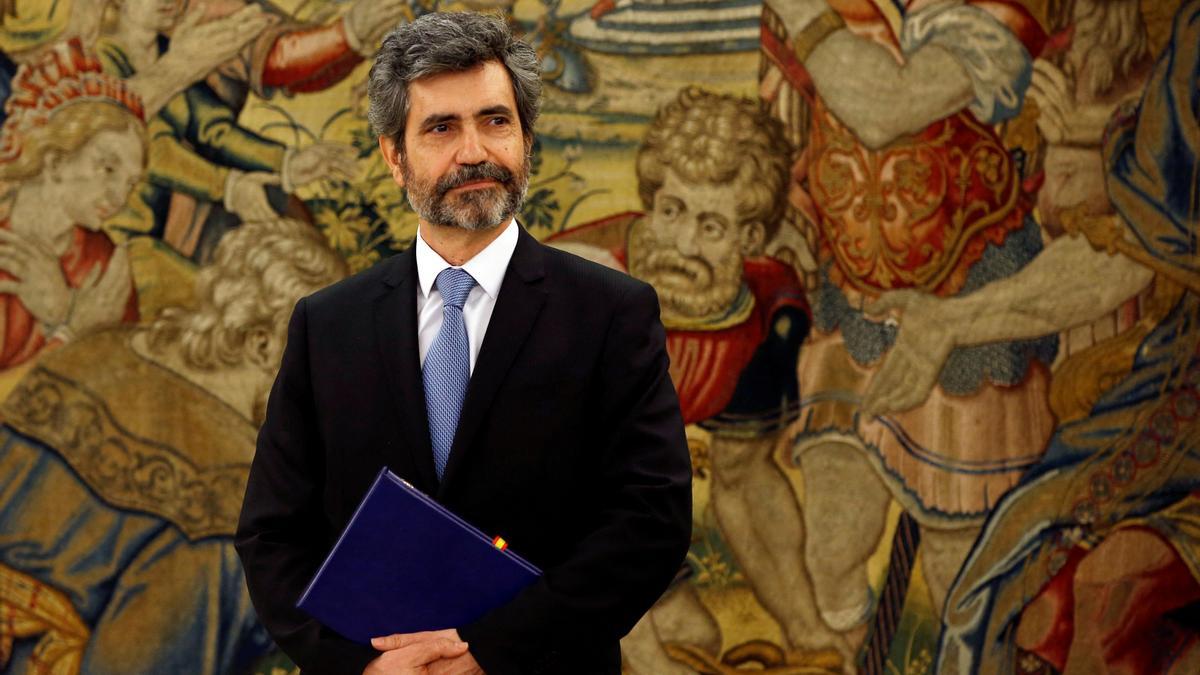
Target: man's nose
pixel 685 237
pixel 118 191
pixel 470 149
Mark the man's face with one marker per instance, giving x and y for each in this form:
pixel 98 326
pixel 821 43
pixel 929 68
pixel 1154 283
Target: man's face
pixel 96 180
pixel 465 162
pixel 690 247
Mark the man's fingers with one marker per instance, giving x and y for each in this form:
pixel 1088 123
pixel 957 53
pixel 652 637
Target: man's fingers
pixel 1047 93
pixel 251 25
pixel 26 244
pixel 1051 121
pixel 900 385
pixel 13 263
pixel 347 169
pixel 235 30
pixel 398 640
pixel 20 244
pixel 264 178
pixel 191 18
pixel 424 653
pixel 1051 72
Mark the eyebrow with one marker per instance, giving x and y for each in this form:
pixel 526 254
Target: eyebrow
pixel 713 214
pixel 442 118
pixel 495 110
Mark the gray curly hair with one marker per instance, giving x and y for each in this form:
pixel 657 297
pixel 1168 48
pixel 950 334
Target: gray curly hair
pixel 707 137
pixel 259 273
pixel 448 42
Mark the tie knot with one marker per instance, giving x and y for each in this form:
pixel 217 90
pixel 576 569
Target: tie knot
pixel 454 284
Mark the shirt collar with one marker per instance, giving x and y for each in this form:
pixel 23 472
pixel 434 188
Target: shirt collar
pixel 487 267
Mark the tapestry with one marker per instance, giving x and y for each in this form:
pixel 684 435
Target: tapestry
pixel 928 271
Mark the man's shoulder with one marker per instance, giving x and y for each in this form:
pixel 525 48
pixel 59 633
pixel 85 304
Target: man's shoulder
pixel 574 273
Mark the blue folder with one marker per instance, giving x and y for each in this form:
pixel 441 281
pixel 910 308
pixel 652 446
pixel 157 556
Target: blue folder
pixel 406 564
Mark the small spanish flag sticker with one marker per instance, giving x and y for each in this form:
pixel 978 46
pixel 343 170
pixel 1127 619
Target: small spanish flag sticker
pixel 499 543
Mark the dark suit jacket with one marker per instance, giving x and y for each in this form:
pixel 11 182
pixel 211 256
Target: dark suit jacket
pixel 570 445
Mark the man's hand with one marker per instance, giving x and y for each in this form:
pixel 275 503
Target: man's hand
pixel 247 196
pixel 911 367
pixel 40 284
pixel 317 161
pixel 459 665
pixel 1053 92
pixel 438 652
pixel 199 45
pixel 1061 118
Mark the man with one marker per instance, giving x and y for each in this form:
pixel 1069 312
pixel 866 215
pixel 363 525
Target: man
pixel 124 458
pixel 1088 564
pixel 712 173
pixel 523 388
pixel 907 186
pixel 1075 92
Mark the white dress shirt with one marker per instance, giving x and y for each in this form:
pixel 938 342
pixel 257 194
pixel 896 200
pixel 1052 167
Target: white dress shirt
pixel 487 267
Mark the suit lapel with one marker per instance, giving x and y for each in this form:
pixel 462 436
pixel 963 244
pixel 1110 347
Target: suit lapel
pixel 396 337
pixel 517 307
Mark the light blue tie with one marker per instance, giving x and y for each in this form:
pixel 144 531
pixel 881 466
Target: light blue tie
pixel 447 367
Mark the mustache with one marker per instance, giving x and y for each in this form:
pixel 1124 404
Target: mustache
pixel 669 261
pixel 473 173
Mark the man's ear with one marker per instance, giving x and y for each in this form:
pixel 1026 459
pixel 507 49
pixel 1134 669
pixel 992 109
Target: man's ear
pixel 391 155
pixel 753 238
pixel 52 166
pixel 261 347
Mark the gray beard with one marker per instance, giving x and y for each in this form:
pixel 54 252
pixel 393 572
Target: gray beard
pixel 686 286
pixel 474 210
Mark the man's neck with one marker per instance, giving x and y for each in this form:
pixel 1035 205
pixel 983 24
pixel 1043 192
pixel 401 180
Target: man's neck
pixel 457 245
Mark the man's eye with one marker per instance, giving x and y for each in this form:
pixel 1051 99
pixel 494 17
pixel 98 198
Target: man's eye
pixel 499 121
pixel 669 210
pixel 439 128
pixel 711 229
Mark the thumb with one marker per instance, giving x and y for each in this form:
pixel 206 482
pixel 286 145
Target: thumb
pixel 93 277
pixel 264 178
pixel 441 648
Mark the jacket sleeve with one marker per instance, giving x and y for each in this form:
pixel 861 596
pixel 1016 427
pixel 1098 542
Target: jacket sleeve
pixel 283 533
pixel 640 526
